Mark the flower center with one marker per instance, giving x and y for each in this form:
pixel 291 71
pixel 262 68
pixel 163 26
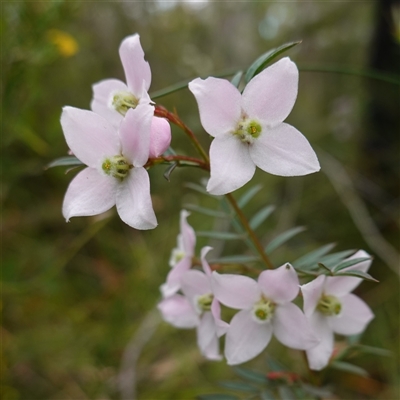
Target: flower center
pixel 176 256
pixel 123 101
pixel 248 130
pixel 263 310
pixel 116 166
pixel 204 302
pixel 329 305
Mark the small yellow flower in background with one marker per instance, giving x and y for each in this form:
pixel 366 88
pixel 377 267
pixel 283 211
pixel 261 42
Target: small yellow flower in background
pixel 66 45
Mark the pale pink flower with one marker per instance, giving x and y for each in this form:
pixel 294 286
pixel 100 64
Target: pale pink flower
pixel 112 98
pixel 181 256
pixel 331 308
pixel 197 308
pixel 266 309
pixel 248 129
pixel 115 160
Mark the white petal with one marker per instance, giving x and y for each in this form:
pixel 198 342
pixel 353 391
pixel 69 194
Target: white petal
pixel 173 281
pixel 245 338
pixel 291 327
pixel 219 104
pixel 89 193
pixel 195 283
pixel 137 70
pixel 270 96
pixel 134 132
pixel 187 234
pixel 221 326
pixel 231 165
pixel 235 291
pixel 280 285
pixel 134 202
pixel 102 98
pixel 284 151
pixel 178 312
pixel 204 263
pixel 160 137
pixel 207 339
pixel 354 317
pixel 318 356
pixel 90 137
pixel 312 293
pixel 341 285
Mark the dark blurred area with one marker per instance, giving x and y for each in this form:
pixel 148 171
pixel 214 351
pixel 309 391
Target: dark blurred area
pixel 73 295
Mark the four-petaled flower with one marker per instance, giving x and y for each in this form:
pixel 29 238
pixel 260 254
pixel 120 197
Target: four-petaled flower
pixel 266 309
pixel 115 160
pixel 331 308
pixel 248 130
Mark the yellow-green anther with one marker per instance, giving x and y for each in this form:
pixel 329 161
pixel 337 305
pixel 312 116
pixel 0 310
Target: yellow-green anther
pixel 329 305
pixel 123 101
pixel 116 166
pixel 247 131
pixel 264 310
pixel 204 302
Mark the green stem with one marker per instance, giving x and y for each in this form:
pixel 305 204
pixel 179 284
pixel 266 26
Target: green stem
pixel 250 231
pixel 177 158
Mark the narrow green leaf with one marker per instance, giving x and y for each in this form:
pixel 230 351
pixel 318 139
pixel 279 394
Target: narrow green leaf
pixel 267 394
pixel 249 195
pixel 236 79
pixel 206 211
pixel 261 216
pixel 350 263
pixel 323 266
pixel 330 260
pixel 316 391
pixel 286 393
pixel 283 238
pixel 219 235
pixel 198 188
pixel 347 367
pixel 64 162
pixel 217 396
pixel 358 274
pixel 169 170
pixel 266 58
pixel 241 386
pixel 310 260
pixel 373 350
pixel 250 375
pixel 275 365
pixel 238 259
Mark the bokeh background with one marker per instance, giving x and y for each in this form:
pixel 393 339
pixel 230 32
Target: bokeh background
pixel 78 299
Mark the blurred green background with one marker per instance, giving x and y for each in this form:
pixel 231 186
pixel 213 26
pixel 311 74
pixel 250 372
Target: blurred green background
pixel 79 298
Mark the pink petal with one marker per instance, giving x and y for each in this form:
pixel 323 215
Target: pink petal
pixel 318 356
pixel 173 281
pixel 246 338
pixel 221 326
pixel 160 136
pixel 283 151
pixel 292 328
pixel 235 291
pixel 195 283
pixel 270 96
pixel 207 339
pixel 231 165
pixel 312 293
pixel 89 193
pixel 341 285
pixel 102 97
pixel 354 317
pixel 137 70
pixel 90 137
pixel 204 263
pixel 280 285
pixel 219 104
pixel 134 202
pixel 187 234
pixel 135 134
pixel 177 311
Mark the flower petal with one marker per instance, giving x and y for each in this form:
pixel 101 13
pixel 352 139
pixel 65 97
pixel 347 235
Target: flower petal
pixel 134 202
pixel 90 137
pixel 134 132
pixel 341 285
pixel 204 263
pixel 312 293
pixel 207 339
pixel 177 311
pixel 136 68
pixel 160 136
pixel 354 317
pixel 291 327
pixel 280 285
pixel 173 281
pixel 221 326
pixel 231 165
pixel 245 338
pixel 270 96
pixel 219 104
pixel 102 98
pixel 195 283
pixel 187 234
pixel 235 291
pixel 284 151
pixel 89 193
